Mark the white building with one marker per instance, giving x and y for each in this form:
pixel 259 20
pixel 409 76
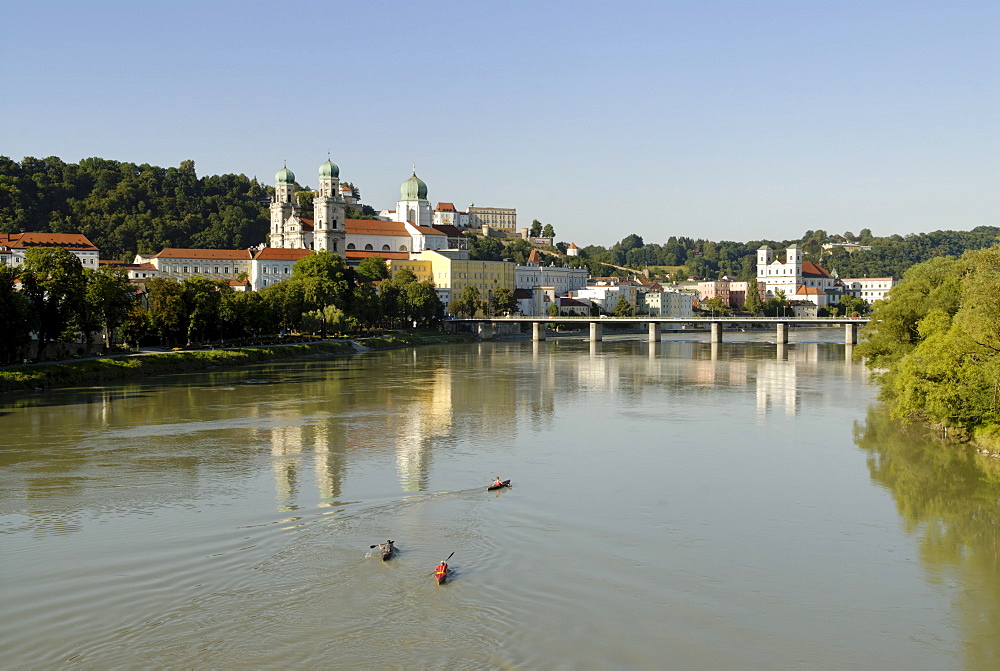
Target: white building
pixel 500 218
pixel 607 297
pixel 870 289
pixel 562 280
pixel 326 230
pixel 14 245
pixel 272 265
pixel 798 279
pixel 669 304
pixel 215 264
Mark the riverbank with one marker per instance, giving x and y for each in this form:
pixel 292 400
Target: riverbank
pixel 122 367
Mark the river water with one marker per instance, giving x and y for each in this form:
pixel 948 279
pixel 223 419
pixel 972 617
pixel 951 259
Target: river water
pixel 683 505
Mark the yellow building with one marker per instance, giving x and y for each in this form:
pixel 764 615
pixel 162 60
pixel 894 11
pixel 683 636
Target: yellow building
pixel 452 270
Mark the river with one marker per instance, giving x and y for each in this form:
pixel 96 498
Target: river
pixel 683 505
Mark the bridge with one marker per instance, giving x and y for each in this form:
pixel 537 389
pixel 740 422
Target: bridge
pixel 539 325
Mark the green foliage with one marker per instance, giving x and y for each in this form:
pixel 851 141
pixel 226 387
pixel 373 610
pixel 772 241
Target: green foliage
pixel 124 208
pixel 753 303
pixel 373 269
pixel 18 318
pixel 504 301
pixel 482 248
pixel 624 308
pixel 56 290
pixel 553 310
pixel 468 303
pixel 110 298
pixel 548 231
pixel 935 343
pixel 716 306
pixel 536 229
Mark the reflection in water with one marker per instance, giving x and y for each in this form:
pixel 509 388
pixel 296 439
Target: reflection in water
pixel 949 498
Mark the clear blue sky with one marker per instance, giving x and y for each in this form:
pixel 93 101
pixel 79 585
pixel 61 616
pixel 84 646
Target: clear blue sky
pixel 725 120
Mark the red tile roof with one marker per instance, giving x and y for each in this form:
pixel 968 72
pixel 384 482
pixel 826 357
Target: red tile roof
pixel 810 269
pixel 73 241
pixel 449 230
pixel 445 207
pixel 204 254
pixel 375 227
pixel 307 224
pixel 429 230
pixel 279 254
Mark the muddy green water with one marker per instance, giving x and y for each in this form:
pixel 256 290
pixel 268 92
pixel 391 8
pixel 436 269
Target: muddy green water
pixel 685 506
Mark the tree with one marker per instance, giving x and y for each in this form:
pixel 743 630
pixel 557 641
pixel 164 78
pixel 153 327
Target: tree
pixel 325 280
pixel 717 306
pixel 16 325
pixel 56 288
pixel 469 302
pixel 482 248
pixel 425 306
pixel 110 298
pixel 853 306
pixel 373 269
pixel 753 303
pixel 504 301
pixel 624 308
pixel 548 231
pixel 202 302
pixel 536 229
pixel 553 310
pixel 167 312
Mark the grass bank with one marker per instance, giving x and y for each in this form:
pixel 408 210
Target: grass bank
pixel 107 369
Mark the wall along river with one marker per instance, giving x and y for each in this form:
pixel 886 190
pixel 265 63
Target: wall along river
pixel 681 505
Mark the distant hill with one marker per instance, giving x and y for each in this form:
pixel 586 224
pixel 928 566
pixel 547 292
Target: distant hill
pixel 124 207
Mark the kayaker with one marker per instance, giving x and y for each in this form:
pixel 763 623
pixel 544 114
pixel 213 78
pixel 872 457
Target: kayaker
pixel 498 482
pixel 441 569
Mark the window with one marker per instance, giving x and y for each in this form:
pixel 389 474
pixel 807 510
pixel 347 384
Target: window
pixel 216 270
pixel 226 268
pixel 369 248
pixel 286 270
pixel 196 269
pixel 385 248
pixel 264 270
pixel 185 269
pixel 350 245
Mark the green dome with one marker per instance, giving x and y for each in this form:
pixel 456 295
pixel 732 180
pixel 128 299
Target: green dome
pixel 285 176
pixel 413 189
pixel 329 170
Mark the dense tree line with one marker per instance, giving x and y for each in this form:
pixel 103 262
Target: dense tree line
pixel 123 207
pixel 59 300
pixel 697 257
pixel 935 347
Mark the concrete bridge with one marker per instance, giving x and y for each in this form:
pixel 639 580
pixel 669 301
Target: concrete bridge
pixel 539 325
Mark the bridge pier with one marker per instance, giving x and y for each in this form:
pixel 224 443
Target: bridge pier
pixel 716 332
pixel 537 331
pixel 782 334
pixel 850 334
pixel 484 331
pixel 654 332
pixel 596 332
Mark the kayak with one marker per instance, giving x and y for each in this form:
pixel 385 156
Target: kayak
pixel 505 483
pixel 387 553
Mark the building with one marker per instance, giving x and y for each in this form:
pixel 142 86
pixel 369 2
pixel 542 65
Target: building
pixel 325 231
pixel 445 214
pixel 452 270
pixel 14 245
pixel 272 264
pixel 668 304
pixel 870 289
pixel 572 250
pixel 564 280
pixel 796 278
pixel 499 218
pixel 215 264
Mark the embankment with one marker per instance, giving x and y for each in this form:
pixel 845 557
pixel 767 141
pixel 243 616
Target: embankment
pixel 107 369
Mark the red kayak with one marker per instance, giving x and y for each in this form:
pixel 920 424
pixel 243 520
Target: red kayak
pixel 505 483
pixel 441 571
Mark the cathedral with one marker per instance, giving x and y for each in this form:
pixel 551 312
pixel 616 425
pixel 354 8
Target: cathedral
pixel 326 231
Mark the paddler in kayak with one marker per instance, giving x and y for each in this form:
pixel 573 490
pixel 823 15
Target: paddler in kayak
pixel 441 571
pixel 498 482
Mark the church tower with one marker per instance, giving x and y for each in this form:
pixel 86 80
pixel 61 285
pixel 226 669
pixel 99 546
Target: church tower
pixel 282 206
pixel 413 206
pixel 328 209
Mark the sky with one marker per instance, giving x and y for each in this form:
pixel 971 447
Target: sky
pixel 726 120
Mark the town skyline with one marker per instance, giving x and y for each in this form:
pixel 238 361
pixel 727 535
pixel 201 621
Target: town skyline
pixel 737 121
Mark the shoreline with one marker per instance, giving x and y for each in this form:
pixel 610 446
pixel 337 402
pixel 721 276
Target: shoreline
pixel 42 376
